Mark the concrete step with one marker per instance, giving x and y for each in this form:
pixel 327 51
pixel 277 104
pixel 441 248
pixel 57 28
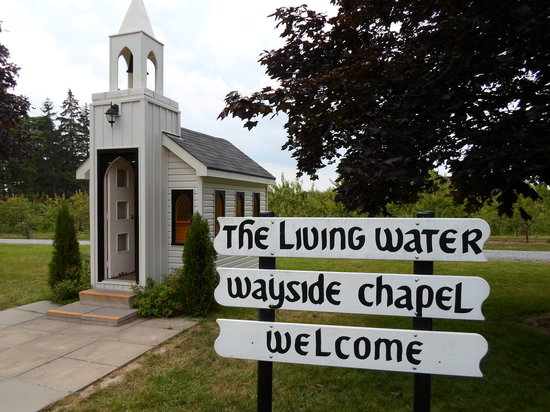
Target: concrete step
pixel 107 297
pixel 93 314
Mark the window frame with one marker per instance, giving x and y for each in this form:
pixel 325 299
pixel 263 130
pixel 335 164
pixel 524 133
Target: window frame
pixel 174 196
pixel 221 194
pixel 242 197
pixel 256 199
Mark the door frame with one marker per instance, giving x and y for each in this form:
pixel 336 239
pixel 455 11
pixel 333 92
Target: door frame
pixel 104 158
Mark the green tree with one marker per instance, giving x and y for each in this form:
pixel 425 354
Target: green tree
pixel 18 215
pixel 13 108
pixel 392 90
pixel 198 276
pixel 65 264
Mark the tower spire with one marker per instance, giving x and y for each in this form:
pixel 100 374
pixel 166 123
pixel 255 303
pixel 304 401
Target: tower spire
pixel 136 20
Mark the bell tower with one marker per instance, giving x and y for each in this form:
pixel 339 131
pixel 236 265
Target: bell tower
pixel 127 164
pixel 135 43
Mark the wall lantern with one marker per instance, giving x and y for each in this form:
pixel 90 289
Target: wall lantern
pixel 112 113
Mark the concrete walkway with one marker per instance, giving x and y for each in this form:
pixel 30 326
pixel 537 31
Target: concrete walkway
pixel 44 360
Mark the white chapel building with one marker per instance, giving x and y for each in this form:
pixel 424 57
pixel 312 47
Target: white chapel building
pixel 148 175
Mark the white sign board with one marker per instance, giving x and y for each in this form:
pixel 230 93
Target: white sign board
pixel 354 238
pixel 442 353
pixel 447 297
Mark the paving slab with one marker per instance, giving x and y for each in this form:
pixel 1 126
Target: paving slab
pixel 144 335
pixel 16 361
pixel 44 324
pixel 12 317
pixel 57 344
pixel 40 307
pixel 66 374
pixel 169 323
pixel 15 396
pixel 97 331
pixel 109 352
pixel 16 335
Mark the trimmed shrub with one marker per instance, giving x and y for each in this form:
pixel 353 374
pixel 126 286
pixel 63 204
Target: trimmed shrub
pixel 65 268
pixel 160 300
pixel 198 276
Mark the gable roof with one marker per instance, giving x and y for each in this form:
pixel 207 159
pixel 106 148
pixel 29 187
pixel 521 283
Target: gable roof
pixel 218 154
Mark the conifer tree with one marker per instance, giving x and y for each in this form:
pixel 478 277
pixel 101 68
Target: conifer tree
pixel 199 277
pixel 65 263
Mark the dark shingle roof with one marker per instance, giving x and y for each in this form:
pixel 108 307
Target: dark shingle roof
pixel 218 154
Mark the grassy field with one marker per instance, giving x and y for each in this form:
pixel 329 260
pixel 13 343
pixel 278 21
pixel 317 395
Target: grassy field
pixel 186 373
pixel 24 274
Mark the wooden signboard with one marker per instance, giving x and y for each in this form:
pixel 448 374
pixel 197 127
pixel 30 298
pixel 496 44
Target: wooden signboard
pixel 447 297
pixel 354 238
pixel 442 353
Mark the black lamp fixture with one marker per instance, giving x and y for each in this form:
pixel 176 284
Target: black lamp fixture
pixel 112 113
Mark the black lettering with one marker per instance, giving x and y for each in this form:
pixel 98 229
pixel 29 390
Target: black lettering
pixel 338 347
pixel 333 291
pixel 229 229
pixel 294 295
pixel 259 237
pixel 415 244
pixel 389 246
pixel 411 352
pixel 342 233
pixel 420 302
pixel 278 342
pixel 261 291
pixel 318 344
pixel 444 241
pixel 362 295
pixel 364 354
pixel 388 345
pixel 300 343
pixel 458 301
pixel 279 296
pixel 440 299
pixel 429 238
pixel 240 291
pixel 315 234
pixel 319 286
pixel 380 287
pixel 358 242
pixel 466 241
pixel 243 231
pixel 404 301
pixel 282 241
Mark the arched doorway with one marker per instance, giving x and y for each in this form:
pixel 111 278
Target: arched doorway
pixel 117 218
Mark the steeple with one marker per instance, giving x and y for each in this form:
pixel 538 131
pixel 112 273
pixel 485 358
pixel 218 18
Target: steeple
pixel 136 44
pixel 136 20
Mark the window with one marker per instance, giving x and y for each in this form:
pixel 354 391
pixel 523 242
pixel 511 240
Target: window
pixel 256 204
pixel 219 208
pixel 122 178
pixel 182 213
pixel 121 210
pixel 122 242
pixel 239 204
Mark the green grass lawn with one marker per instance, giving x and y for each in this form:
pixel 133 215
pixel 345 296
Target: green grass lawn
pixel 24 274
pixel 186 374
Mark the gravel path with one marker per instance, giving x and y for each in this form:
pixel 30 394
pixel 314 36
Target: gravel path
pixel 517 255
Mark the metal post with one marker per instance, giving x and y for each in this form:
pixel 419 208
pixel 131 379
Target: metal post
pixel 265 368
pixel 422 381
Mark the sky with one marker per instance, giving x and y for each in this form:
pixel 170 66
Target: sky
pixel 211 47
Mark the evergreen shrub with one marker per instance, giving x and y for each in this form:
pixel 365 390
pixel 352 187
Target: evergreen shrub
pixel 198 276
pixel 66 275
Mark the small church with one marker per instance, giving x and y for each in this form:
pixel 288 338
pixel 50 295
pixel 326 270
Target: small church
pixel 148 175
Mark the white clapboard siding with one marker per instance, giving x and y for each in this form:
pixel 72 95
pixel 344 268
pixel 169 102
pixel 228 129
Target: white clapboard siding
pixel 181 176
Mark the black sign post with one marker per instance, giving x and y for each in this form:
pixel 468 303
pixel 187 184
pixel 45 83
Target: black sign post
pixel 422 381
pixel 265 369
